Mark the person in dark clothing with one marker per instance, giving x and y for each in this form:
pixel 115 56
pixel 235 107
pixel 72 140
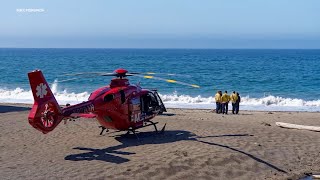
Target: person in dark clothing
pixel 146 100
pixel 237 103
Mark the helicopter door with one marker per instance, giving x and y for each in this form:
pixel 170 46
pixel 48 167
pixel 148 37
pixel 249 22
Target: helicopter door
pixel 150 104
pixel 161 105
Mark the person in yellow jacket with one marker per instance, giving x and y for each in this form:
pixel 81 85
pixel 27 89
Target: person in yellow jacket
pixel 225 98
pixel 218 101
pixel 233 99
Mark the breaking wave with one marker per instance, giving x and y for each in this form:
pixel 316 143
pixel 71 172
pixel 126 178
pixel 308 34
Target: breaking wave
pixel 268 103
pixel 20 95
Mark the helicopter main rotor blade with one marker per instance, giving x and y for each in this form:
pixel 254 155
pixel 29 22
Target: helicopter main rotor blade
pixel 87 73
pixel 115 75
pixel 66 80
pixel 167 80
pixel 167 74
pixel 147 75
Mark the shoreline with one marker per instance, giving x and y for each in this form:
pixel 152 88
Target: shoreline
pixel 201 109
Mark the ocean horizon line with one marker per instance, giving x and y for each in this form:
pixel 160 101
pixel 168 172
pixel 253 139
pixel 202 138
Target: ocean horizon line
pixel 151 48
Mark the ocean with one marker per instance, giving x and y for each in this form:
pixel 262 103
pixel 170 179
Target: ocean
pixel 267 80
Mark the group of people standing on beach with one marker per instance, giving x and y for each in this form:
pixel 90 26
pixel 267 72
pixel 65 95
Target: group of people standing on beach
pixel 222 102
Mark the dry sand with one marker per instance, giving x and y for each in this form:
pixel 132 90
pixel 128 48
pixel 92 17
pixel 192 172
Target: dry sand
pixel 197 144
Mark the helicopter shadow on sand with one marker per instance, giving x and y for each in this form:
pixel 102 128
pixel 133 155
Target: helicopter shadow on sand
pixel 109 154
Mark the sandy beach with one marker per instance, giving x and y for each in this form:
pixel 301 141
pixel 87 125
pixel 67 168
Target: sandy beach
pixel 197 144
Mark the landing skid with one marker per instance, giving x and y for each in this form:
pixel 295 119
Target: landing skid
pixel 133 130
pixel 154 124
pixel 102 129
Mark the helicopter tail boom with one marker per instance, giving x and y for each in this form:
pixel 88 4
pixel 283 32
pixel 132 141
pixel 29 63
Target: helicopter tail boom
pixel 45 114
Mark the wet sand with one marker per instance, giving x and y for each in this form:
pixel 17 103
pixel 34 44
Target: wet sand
pixel 197 144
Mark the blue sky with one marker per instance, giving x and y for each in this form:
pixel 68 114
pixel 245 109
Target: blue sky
pixel 161 24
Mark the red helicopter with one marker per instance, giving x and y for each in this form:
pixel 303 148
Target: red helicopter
pixel 120 105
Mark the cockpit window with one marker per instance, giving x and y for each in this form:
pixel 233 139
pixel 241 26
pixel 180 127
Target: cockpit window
pixel 108 98
pixel 123 96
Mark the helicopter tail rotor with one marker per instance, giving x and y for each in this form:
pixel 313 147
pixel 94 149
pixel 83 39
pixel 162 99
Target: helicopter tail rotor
pixel 45 114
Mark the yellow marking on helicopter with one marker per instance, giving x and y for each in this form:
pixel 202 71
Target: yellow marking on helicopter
pixel 148 77
pixel 171 81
